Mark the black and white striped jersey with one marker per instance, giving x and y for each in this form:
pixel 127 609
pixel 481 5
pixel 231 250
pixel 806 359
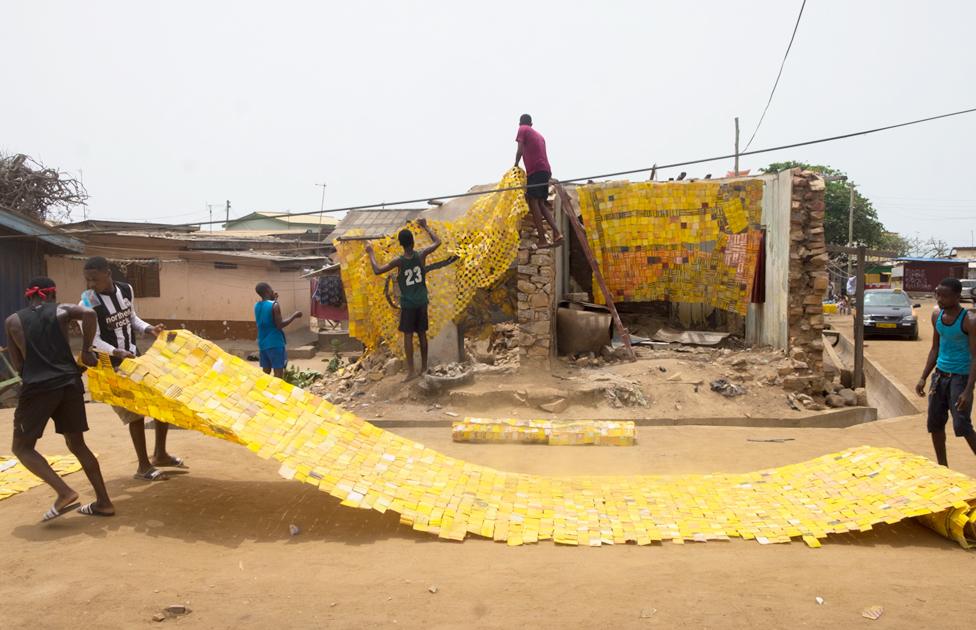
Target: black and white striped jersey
pixel 118 323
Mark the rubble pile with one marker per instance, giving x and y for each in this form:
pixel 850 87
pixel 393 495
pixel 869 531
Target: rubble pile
pixel 500 355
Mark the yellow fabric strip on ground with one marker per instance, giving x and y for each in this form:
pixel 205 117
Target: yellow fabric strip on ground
pixel 194 384
pixel 485 241
pixel 14 478
pixel 552 432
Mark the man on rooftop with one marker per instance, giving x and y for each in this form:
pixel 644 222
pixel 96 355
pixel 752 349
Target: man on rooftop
pixel 532 147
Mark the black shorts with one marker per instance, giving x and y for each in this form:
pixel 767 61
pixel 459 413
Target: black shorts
pixel 944 391
pixel 538 192
pixel 413 320
pixel 65 405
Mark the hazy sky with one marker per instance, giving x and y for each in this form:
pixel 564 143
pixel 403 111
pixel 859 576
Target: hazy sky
pixel 168 106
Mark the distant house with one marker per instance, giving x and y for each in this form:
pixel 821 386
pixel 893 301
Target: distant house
pixel 375 223
pixel 22 255
pixel 282 222
pixel 966 252
pixel 201 281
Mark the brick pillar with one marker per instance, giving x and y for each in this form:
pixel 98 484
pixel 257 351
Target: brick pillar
pixel 808 278
pixel 536 278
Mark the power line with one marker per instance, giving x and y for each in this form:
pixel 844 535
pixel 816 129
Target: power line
pixel 778 75
pixel 424 199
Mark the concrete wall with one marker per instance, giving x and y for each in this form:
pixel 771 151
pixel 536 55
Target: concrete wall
pixel 218 303
pixel 766 324
pixel 886 393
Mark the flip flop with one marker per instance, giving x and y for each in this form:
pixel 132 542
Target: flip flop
pixel 178 462
pixel 54 512
pixel 89 510
pixel 153 474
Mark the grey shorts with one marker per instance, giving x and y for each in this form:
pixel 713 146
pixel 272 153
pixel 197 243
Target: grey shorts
pixel 943 394
pixel 126 416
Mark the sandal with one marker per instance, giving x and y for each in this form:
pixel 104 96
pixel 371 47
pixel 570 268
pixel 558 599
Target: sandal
pixel 54 512
pixel 177 462
pixel 153 474
pixel 89 510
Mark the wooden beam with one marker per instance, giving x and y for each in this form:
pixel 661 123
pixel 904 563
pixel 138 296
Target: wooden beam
pixel 858 379
pixel 853 251
pixel 569 210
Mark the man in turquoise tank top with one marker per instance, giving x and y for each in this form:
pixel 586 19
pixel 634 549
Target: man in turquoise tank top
pixel 412 281
pixel 271 330
pixel 953 359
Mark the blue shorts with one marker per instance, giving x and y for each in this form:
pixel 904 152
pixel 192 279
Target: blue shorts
pixel 273 358
pixel 943 394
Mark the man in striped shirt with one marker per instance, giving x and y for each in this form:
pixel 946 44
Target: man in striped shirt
pixel 118 325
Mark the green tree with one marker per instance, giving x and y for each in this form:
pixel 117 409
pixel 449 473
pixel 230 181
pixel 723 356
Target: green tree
pixel 868 229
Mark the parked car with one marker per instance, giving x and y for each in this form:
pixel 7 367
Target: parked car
pixel 969 290
pixel 890 312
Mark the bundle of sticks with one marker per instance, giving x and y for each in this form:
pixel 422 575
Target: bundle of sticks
pixel 29 188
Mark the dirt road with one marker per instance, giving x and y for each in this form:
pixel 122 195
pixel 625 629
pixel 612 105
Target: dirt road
pixel 218 538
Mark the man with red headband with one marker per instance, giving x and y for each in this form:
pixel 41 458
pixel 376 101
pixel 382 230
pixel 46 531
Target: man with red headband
pixel 52 389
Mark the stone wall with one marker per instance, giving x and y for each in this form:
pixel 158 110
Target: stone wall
pixel 808 280
pixel 536 279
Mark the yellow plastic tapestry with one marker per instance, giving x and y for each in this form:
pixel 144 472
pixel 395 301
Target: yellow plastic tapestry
pixel 485 241
pixel 192 383
pixel 14 478
pixel 552 432
pixel 691 242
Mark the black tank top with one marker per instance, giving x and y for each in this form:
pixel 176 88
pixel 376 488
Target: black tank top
pixel 48 363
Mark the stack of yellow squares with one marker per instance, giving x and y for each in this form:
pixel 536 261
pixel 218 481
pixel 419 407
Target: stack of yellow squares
pixel 194 384
pixel 553 432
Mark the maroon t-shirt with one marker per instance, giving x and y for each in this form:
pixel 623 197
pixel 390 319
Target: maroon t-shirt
pixel 533 150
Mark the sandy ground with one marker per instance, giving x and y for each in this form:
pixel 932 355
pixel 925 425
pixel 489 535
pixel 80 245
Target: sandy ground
pixel 218 538
pixel 675 384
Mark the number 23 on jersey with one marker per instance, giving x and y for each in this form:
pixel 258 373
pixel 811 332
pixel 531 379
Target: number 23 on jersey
pixel 413 276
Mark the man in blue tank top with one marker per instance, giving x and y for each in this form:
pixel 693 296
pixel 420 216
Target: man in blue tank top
pixel 953 359
pixel 271 326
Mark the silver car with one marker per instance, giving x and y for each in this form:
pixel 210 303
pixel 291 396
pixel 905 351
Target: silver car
pixel 890 312
pixel 969 290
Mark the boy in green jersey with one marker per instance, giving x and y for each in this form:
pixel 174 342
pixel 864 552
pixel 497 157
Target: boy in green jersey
pixel 412 282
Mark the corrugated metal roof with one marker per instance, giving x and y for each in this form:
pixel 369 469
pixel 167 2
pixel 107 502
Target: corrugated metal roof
pixel 933 260
pixel 50 235
pixel 373 222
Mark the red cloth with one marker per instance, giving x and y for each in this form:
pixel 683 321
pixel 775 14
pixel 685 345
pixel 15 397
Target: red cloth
pixel 323 311
pixel 533 150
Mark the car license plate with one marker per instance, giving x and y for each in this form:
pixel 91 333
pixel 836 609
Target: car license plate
pixel 886 325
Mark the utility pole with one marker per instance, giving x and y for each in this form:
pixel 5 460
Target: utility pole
pixel 210 207
pixel 322 205
pixel 736 146
pixel 227 213
pixel 84 204
pixel 850 226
